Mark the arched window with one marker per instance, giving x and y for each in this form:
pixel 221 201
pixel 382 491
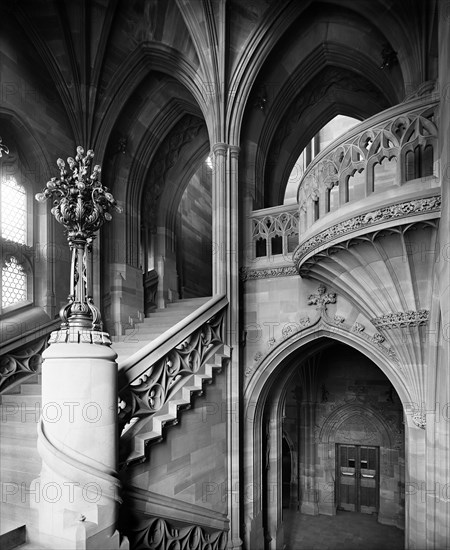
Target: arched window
pixel 15 253
pixel 13 215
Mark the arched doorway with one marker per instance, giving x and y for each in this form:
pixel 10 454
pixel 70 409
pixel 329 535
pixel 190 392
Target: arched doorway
pixel 335 404
pixel 349 435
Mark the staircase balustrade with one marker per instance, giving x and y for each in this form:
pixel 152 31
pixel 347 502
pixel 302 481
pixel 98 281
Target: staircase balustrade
pixel 151 380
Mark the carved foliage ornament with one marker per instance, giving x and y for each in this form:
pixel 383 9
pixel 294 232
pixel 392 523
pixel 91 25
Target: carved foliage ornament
pixel 402 319
pixel 420 420
pixel 247 274
pixel 386 214
pixel 158 534
pixel 82 205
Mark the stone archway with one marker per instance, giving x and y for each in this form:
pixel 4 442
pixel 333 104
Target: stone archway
pixel 265 527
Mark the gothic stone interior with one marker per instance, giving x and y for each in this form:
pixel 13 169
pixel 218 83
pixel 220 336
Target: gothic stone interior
pixel 276 287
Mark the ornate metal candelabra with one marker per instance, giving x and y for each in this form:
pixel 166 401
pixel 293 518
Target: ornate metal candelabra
pixel 82 205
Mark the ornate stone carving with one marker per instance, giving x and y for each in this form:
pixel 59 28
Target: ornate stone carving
pixel 271 343
pixel 378 338
pixel 158 534
pixel 159 382
pixel 338 319
pixel 82 205
pixel 358 327
pixel 402 319
pixel 388 213
pixel 322 298
pixel 20 364
pixel 420 420
pixel 304 322
pixel 247 274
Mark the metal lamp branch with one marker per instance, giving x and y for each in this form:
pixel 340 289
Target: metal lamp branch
pixel 82 205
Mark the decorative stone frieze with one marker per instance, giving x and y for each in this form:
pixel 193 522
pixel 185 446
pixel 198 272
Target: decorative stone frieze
pixel 401 319
pixel 368 220
pixel 158 534
pixel 247 274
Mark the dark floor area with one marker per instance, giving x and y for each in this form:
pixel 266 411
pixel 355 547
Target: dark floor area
pixel 344 531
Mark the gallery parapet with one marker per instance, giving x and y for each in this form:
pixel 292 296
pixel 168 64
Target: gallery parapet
pixel 380 154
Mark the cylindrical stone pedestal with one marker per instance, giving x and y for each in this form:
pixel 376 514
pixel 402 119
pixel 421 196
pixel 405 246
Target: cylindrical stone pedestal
pixel 77 492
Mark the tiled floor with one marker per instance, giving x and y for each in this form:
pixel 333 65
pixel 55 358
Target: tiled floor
pixel 345 531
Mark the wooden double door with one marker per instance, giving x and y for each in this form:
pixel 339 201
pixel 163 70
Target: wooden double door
pixel 357 478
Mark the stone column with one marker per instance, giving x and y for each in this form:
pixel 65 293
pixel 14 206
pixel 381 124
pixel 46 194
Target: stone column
pixel 229 211
pixel 220 198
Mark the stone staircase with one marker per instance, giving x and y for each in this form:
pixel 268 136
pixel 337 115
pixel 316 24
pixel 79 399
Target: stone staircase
pixel 20 410
pixel 153 326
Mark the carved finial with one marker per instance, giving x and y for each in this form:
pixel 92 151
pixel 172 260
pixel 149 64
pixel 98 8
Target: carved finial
pixel 82 205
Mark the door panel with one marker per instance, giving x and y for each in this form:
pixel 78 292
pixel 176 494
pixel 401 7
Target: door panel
pixel 357 478
pixel 347 477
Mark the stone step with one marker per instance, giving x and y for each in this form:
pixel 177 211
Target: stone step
pixel 20 399
pixel 31 388
pixel 12 534
pixel 14 413
pixel 19 429
pixel 12 468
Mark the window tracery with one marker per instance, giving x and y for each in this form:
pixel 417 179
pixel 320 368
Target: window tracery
pixel 16 254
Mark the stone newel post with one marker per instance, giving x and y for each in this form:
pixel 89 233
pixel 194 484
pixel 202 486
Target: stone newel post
pixel 77 494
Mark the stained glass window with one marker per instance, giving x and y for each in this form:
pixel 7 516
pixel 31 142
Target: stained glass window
pixel 14 283
pixel 13 214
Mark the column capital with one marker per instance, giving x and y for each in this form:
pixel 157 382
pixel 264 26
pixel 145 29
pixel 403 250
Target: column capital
pixel 220 148
pixel 234 150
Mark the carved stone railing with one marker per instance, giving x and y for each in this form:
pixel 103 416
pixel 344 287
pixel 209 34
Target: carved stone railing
pixel 151 381
pixel 21 357
pixel 159 534
pixel 383 152
pixel 274 232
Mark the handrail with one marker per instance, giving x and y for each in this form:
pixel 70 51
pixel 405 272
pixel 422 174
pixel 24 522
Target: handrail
pixel 131 368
